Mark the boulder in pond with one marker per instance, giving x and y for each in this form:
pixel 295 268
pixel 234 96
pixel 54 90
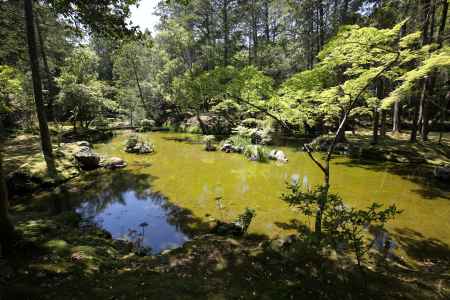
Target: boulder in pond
pixel 208 141
pixel 113 163
pixel 230 148
pixel 223 228
pixel 136 145
pixel 442 173
pixel 83 144
pixel 87 159
pixel 278 155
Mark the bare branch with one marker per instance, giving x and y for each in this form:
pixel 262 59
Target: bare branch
pixel 308 150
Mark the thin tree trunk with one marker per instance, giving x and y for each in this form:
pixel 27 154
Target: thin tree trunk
pixel 321 25
pixel 443 21
pixel 226 33
pixel 443 117
pixel 200 122
pixel 375 125
pixel 414 124
pixel 266 20
pixel 396 118
pixel 37 87
pixel 383 123
pixel 344 11
pixel 424 110
pixel 141 94
pixel 6 226
pixel 254 32
pixel 50 86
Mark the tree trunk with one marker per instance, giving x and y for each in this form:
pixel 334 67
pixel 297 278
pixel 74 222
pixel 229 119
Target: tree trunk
pixel 6 226
pixel 321 25
pixel 344 11
pixel 440 36
pixel 424 110
pixel 443 117
pixel 375 125
pixel 200 122
pixel 414 124
pixel 141 94
pixel 266 21
pixel 50 84
pixel 383 123
pixel 396 118
pixel 37 88
pixel 254 33
pixel 226 33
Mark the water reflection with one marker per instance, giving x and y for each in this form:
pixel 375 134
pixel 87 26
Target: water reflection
pixel 126 207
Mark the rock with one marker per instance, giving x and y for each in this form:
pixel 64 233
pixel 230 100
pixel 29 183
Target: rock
pixel 20 183
pixel 278 155
pixel 222 228
pixel 135 145
pixel 114 163
pixel 282 243
pixel 87 159
pixel 230 148
pixel 83 144
pixel 210 147
pixel 442 173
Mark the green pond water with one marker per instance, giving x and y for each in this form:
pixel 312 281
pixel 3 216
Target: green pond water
pixel 164 196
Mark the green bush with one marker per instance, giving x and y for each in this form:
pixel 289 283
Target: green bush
pixel 238 141
pixel 193 129
pixel 208 141
pixel 256 153
pixel 146 125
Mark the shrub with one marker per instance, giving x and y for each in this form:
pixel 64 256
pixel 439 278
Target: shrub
pixel 100 123
pixel 193 129
pixel 135 144
pixel 244 220
pixel 132 141
pixel 256 153
pixel 257 136
pixel 208 141
pixel 146 125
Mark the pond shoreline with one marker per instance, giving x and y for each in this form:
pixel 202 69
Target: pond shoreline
pixel 70 253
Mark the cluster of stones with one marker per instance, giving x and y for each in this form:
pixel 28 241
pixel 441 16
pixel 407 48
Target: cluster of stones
pixel 88 160
pixel 230 148
pixel 278 155
pixel 134 145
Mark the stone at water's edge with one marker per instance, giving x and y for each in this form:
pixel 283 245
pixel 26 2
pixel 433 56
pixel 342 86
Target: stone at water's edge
pixel 278 155
pixel 87 159
pixel 229 148
pixel 140 148
pixel 114 163
pixel 222 228
pixel 20 183
pixel 442 173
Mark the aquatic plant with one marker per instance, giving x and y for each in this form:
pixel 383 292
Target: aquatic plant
pixel 208 141
pixel 146 125
pixel 238 141
pixel 256 153
pixel 135 144
pixel 244 220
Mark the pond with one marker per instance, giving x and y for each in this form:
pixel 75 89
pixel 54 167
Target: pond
pixel 165 197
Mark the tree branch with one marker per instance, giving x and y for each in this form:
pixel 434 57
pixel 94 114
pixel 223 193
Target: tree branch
pixel 263 110
pixel 354 101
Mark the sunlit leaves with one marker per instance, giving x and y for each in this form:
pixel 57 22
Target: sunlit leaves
pixel 439 60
